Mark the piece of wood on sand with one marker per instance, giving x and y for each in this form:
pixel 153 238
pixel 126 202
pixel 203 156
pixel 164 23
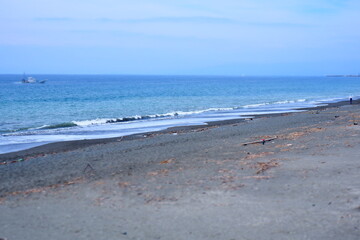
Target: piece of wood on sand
pixel 259 141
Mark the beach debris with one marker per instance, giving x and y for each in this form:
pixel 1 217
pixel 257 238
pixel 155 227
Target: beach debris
pixel 285 150
pixel 283 145
pixel 257 177
pixel 167 161
pixel 98 183
pixel 13 161
pixel 123 184
pixel 225 171
pixel 89 169
pixel 162 172
pixel 263 166
pixel 227 179
pixel 44 189
pixel 253 156
pixel 234 186
pixel 153 199
pixel 22 159
pixel 259 141
pixel 295 135
pixel 204 129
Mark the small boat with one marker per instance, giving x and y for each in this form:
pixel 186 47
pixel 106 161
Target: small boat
pixel 29 80
pixel 26 79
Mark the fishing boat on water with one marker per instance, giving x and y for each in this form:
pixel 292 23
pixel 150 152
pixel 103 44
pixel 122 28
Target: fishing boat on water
pixel 26 79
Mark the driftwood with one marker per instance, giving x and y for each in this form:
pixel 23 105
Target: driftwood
pixel 260 141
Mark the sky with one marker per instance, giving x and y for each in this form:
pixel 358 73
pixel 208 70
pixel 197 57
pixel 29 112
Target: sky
pixel 180 37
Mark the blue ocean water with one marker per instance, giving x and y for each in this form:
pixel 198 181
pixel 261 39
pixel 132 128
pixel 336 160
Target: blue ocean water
pixel 72 107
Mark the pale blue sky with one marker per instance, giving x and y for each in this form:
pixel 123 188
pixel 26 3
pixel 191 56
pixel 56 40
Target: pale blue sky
pixel 228 37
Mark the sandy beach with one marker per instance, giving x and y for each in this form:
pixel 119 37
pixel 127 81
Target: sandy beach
pixel 193 182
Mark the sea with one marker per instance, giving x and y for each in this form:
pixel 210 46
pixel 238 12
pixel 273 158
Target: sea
pixel 76 107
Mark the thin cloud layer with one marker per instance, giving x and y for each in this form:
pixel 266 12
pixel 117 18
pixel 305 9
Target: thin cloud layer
pixel 182 37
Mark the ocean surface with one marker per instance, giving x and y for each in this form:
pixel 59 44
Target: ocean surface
pixel 74 107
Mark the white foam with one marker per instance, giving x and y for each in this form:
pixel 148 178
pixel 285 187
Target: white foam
pixel 100 121
pixel 91 122
pixel 275 103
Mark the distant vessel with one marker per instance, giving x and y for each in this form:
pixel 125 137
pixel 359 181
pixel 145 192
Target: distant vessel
pixel 26 79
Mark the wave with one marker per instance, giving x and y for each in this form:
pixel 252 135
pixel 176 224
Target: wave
pixel 98 121
pixel 145 117
pixel 33 131
pixel 102 121
pixel 60 125
pixel 275 103
pixel 6 131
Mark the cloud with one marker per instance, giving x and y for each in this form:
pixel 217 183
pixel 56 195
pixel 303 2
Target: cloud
pixel 194 19
pixel 280 24
pixel 54 19
pixel 174 20
pixel 191 19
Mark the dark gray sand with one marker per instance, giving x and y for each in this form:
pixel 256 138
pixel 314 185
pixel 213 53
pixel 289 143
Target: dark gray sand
pixel 193 183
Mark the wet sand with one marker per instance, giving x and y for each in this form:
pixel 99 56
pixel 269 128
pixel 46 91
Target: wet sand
pixel 193 183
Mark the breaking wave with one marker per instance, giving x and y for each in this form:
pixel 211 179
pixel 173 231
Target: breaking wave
pixel 101 121
pixel 61 125
pixel 145 117
pixel 275 103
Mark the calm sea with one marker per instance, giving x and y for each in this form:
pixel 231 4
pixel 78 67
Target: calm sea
pixel 71 107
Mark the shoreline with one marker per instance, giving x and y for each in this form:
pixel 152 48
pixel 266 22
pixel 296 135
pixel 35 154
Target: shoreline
pixel 196 183
pixel 63 146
